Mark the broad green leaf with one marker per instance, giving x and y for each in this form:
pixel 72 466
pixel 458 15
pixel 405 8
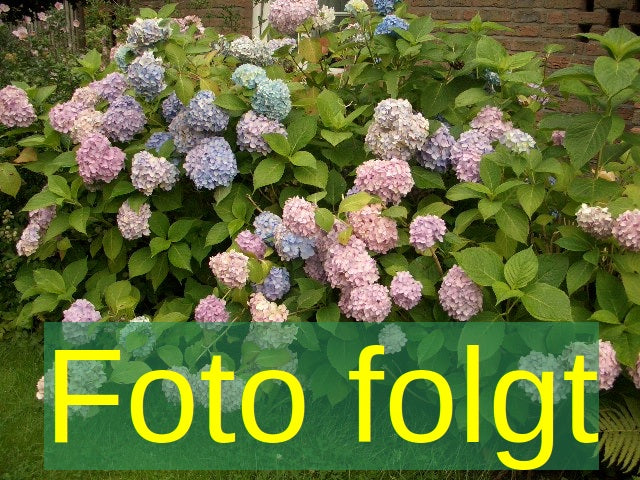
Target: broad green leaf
pixel 141 262
pixel 179 229
pixel 278 143
pixel 159 224
pixel 159 244
pixel 329 313
pixel 429 346
pixel 578 275
pixel 331 109
pixel 301 132
pixel 547 303
pixel 218 234
pixel 180 256
pixel 521 268
pixel 78 219
pixel 185 89
pixel 112 243
pixel 170 355
pixel 530 197
pixel 10 180
pixel 473 96
pixel 316 177
pixel 268 172
pixel 336 187
pixel 49 281
pixel 303 159
pixel 586 135
pixel 310 298
pixel 118 295
pixel 355 202
pixel 614 76
pixel 483 266
pixel 426 179
pixel 128 372
pixel 324 219
pixel 335 138
pixel 513 222
pixel 75 272
pixel 631 282
pixel 611 294
pixel 231 102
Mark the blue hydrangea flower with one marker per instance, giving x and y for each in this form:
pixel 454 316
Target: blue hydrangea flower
pixel 211 164
pixel 248 76
pixel 120 57
pixel 435 154
pixel 156 140
pixel 171 106
pixel 384 7
pixel 275 285
pixel 184 137
pixel 265 226
pixel 290 246
pixel 146 32
pixel 272 99
pixel 203 115
pixel 388 24
pixel 146 76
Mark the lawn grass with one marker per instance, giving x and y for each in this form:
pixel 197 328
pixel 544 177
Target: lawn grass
pixel 21 437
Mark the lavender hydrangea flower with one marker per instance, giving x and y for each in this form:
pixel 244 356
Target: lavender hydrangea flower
pixel 251 243
pixel 88 122
pixel 248 50
pixel 263 310
pixel 15 108
pixel 435 154
pixel 248 76
pixel 406 291
pixel 149 172
pixel 73 319
pixel 349 266
pixel 391 180
pixel 132 224
pixel 426 231
pixel 275 285
pixel 392 338
pixel 205 116
pixel 298 216
pixel 379 233
pixel 609 368
pixel 557 137
pixel 467 153
pixel 490 122
pixel 86 96
pixel 146 76
pixel 124 119
pixel 518 141
pixel 171 106
pixel 230 268
pixel 287 15
pixel 388 24
pixel 39 221
pixel 265 225
pixel 250 130
pixel 98 161
pixel 290 246
pixel 384 7
pixel 63 116
pixel 272 99
pixel 110 87
pixel 184 137
pixel 596 221
pixel 635 373
pixel 368 303
pixel 626 230
pixel 314 268
pixel 147 32
pixel 211 164
pixel 211 311
pixel 459 297
pixel 157 140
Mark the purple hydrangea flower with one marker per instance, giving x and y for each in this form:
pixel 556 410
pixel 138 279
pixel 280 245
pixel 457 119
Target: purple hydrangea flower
pixel 467 153
pixel 251 243
pixel 626 229
pixel 146 32
pixel 557 137
pixel 265 225
pixel 275 285
pixel 435 154
pixel 184 137
pixel 110 87
pixel 15 108
pixel 81 311
pixel 459 297
pixel 149 172
pixel 314 268
pixel 406 291
pixel 250 129
pixel 86 96
pixel 171 106
pixel 368 303
pixel 298 216
pixel 98 161
pixel 490 122
pixel 203 115
pixel 426 231
pixel 211 164
pixel 63 116
pixel 39 221
pixel 132 224
pixel 287 15
pixel 230 268
pixel 211 310
pixel 124 119
pixel 392 338
pixel 146 76
pixel 391 180
pixel 157 140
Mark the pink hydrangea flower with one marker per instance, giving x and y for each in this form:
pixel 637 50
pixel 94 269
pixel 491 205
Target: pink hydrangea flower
pixel 426 231
pixel 42 16
pixel 608 367
pixel 132 224
pixel 211 309
pixel 88 122
pixel 368 303
pixel 15 109
pixel 39 221
pixel 635 373
pixel 262 310
pixel 459 297
pixel 81 311
pixel 298 216
pixel 287 15
pixel 406 291
pixel 391 180
pixel 379 233
pixel 626 229
pixel 596 221
pixel 466 154
pixel 230 268
pixel 490 122
pixel 349 266
pixel 58 6
pixel 97 160
pixel 4 8
pixel 21 33
pixel 64 115
pixel 251 243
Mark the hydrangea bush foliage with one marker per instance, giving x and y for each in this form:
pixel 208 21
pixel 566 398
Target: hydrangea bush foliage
pixel 390 168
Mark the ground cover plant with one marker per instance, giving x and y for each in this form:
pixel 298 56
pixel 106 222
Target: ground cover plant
pixel 387 168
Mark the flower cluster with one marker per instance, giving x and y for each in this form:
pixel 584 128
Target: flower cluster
pixel 435 154
pixel 124 119
pixel 490 122
pixel 380 234
pixel 349 266
pixel 626 230
pixel 250 130
pixel 230 268
pixel 298 216
pixel 80 312
pixel 459 297
pixel 608 367
pixel 323 20
pixel 537 363
pixel 15 108
pixel 635 373
pixel 141 326
pixel 85 96
pixel 202 115
pixel 275 285
pixel 157 140
pixel 291 246
pixel 391 180
pixel 251 243
pixel 110 87
pixel 211 311
pixel 406 291
pixel 518 141
pixel 392 338
pixel 98 160
pixel 557 137
pixel 389 23
pixel 367 303
pixel 355 7
pixel 262 310
pixel 426 231
pixel 272 99
pixel 171 106
pixel 146 76
pixel 248 76
pixel 147 32
pixel 600 358
pixel 63 116
pixel 596 221
pixel 134 224
pixel 211 163
pixel 467 153
pixel 184 137
pixel 149 172
pixel 384 7
pixel 39 221
pixel 265 225
pixel 248 50
pixel 287 15
pixel 396 132
pixel 84 378
pixel 88 122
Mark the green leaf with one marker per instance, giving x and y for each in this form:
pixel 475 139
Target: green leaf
pixel 78 219
pixel 10 180
pixel 490 173
pixel 49 281
pixel 614 76
pixel 303 159
pixel 605 316
pixel 426 179
pixel 167 10
pixel 218 234
pixel 611 294
pixel 310 298
pixel 75 272
pixel 178 230
pixel 58 185
pixel 395 211
pixel 112 243
pixel 273 358
pixel 141 262
pixel 513 222
pixel 473 96
pixel 184 89
pixel 268 172
pixel 530 197
pixel 329 313
pixel 429 346
pixel 159 224
pixel 170 355
pixel 159 244
pixel 354 202
pixel 231 102
pixel 40 200
pixel 503 292
pixel 487 208
pixel 180 256
pixel 91 60
pixel 128 372
pixel 316 177
pixel 547 303
pixel 631 282
pixel 578 275
pixel 331 109
pixel 278 143
pixel 301 132
pixel 336 187
pixel 324 219
pixel 47 302
pixel 335 138
pixel 521 268
pixel 483 266
pixel 118 296
pixel 342 355
pixel 586 135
